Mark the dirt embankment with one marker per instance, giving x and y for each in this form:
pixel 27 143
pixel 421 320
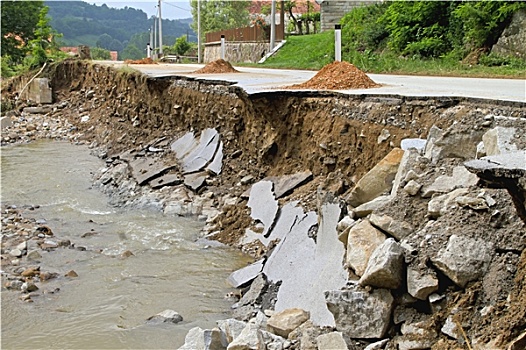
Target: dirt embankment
pixel 337 137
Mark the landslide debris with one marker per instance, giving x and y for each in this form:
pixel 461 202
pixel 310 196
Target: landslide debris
pixel 338 138
pixel 338 76
pixel 217 66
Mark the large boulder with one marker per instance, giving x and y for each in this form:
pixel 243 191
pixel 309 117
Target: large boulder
pixel 512 42
pixel 464 259
pixel 284 322
pixel 378 180
pixel 360 313
pixel 385 266
pixel 362 240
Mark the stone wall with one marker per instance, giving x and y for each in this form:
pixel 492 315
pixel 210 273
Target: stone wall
pixel 332 11
pixel 513 39
pixel 236 52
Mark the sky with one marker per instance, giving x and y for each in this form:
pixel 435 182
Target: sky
pixel 170 9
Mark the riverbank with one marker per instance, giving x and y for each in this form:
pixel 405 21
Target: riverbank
pixel 333 158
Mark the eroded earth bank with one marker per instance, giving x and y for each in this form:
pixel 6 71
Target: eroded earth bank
pixel 375 222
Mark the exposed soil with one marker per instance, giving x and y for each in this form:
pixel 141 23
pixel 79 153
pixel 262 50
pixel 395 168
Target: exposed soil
pixel 334 136
pixel 338 76
pixel 217 66
pixel 141 61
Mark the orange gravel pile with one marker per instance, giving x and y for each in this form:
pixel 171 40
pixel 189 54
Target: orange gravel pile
pixel 143 61
pixel 217 66
pixel 338 76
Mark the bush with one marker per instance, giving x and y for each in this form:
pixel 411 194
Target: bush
pixel 98 53
pixel 494 60
pixel 6 65
pixel 361 29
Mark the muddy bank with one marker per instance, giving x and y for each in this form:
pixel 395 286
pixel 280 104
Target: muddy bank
pixel 130 119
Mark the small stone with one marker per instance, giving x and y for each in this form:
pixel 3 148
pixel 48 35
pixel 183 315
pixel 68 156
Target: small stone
pixel 22 246
pixel 16 253
pixel 28 287
pixel 166 316
pixel 33 255
pixel 412 187
pixel 31 271
pixel 16 285
pixel 71 274
pixel 331 341
pixel 127 254
pixel 44 276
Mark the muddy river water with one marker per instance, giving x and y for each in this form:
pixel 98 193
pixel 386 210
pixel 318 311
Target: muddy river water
pixel 106 306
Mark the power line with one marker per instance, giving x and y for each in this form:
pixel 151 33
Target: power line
pixel 179 7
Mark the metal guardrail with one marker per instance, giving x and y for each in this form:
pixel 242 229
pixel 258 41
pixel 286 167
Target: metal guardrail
pixel 177 58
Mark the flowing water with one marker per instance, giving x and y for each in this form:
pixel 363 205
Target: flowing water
pixel 107 305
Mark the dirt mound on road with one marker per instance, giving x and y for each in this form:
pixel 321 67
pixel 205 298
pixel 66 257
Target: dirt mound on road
pixel 338 76
pixel 143 61
pixel 217 66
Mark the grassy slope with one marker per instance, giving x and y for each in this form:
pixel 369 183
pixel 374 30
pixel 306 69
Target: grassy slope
pixel 315 51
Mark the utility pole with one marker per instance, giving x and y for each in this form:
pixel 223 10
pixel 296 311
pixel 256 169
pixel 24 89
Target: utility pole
pixel 160 30
pixel 273 25
pixel 155 36
pixel 198 31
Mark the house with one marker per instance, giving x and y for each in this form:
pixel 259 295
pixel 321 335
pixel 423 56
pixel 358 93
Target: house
pixel 332 11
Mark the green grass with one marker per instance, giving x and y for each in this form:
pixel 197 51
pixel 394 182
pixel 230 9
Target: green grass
pixel 312 52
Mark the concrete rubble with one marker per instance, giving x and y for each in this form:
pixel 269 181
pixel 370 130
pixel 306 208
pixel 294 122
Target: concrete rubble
pixel 383 251
pixel 390 258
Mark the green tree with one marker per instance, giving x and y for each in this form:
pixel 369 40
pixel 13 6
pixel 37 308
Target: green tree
pixel 132 52
pixel 104 41
pixel 220 14
pixel 19 21
pixel 98 53
pixel 181 45
pixel 44 45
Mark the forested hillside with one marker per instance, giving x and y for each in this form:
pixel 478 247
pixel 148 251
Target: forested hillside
pixel 123 30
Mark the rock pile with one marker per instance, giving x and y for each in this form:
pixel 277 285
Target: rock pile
pixel 38 122
pixel 217 66
pixel 338 76
pixel 23 241
pixel 417 235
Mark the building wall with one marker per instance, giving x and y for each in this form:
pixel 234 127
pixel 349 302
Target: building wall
pixel 236 51
pixel 331 11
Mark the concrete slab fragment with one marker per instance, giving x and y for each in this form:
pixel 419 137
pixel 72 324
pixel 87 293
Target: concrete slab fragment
pixel 195 181
pixel 201 155
pixel 418 144
pixel 243 276
pixel 166 180
pixel 183 145
pixel 284 185
pixel 288 215
pixel 146 169
pixel 263 206
pixel 307 269
pixel 217 163
pixel 40 92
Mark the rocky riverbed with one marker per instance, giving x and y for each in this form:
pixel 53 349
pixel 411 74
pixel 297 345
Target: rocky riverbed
pixel 367 229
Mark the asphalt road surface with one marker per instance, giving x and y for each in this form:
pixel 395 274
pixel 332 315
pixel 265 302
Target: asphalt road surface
pixel 254 80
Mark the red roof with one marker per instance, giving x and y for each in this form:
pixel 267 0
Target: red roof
pixel 300 8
